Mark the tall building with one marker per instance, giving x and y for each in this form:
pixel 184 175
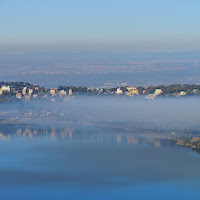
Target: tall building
pixel 1 91
pixel 30 91
pixel 70 92
pixel 24 91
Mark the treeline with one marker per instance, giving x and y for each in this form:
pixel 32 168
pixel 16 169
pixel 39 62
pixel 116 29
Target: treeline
pixel 174 89
pixel 166 89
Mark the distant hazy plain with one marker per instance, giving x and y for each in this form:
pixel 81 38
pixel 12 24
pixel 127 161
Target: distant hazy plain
pixel 100 69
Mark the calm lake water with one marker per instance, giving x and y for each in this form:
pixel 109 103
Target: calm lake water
pixel 93 163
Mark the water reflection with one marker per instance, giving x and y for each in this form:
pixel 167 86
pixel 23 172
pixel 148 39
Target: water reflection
pixel 89 158
pixel 71 134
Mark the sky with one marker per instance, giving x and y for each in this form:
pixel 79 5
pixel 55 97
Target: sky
pixel 106 25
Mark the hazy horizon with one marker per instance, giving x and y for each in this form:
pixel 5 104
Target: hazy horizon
pixel 100 68
pixel 99 43
pixel 128 25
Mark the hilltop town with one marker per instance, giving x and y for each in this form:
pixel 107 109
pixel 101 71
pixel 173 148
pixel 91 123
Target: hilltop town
pixel 11 91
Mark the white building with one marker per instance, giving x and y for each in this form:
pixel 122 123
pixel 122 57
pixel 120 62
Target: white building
pixel 5 88
pixel 63 93
pixel 70 92
pixel 158 91
pixel 182 93
pixel 24 91
pixel 30 91
pixel 119 91
pixel 195 91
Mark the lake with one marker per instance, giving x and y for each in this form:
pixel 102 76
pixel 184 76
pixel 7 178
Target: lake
pixel 74 161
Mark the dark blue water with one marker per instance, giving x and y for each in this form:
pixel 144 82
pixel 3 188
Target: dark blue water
pixel 87 162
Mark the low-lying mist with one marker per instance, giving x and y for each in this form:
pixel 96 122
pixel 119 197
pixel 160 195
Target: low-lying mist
pixel 133 112
pixel 57 150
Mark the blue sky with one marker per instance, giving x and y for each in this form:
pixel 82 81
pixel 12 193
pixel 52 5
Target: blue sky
pixel 114 25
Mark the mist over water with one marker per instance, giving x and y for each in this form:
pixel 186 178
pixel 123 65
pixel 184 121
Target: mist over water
pixel 135 112
pixel 95 148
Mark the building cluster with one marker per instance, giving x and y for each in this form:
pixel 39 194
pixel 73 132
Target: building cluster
pixel 4 88
pixel 20 90
pixel 159 92
pixel 26 91
pixel 156 93
pixel 60 93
